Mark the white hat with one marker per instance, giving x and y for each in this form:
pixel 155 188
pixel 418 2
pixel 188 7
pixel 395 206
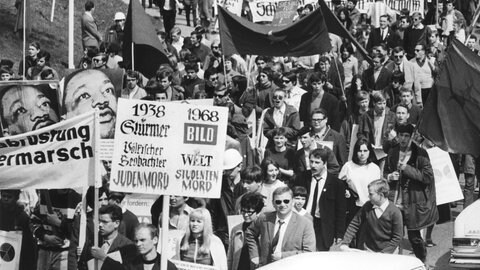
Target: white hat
pixel 231 159
pixel 119 16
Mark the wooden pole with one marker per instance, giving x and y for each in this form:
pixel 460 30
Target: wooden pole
pixel 71 6
pixel 164 240
pixel 97 181
pixel 53 11
pixel 24 38
pixel 133 56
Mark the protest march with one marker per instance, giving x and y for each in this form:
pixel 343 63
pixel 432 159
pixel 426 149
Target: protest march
pixel 249 133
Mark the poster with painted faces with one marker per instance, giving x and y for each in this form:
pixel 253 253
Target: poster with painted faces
pixel 27 106
pixel 89 89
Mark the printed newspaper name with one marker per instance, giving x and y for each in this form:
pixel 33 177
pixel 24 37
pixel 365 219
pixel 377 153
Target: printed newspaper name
pixel 79 151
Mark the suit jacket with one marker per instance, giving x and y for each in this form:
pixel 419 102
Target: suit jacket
pixel 382 81
pixel 299 236
pixel 90 35
pixel 392 39
pixel 329 103
pixel 161 4
pixel 332 205
pixel 121 243
pixel 301 165
pixel 408 72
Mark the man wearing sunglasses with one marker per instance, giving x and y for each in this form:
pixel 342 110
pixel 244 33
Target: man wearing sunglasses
pixel 326 200
pixel 279 234
pixel 401 64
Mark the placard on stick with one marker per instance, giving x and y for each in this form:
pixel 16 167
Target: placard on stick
pixel 285 12
pixel 168 148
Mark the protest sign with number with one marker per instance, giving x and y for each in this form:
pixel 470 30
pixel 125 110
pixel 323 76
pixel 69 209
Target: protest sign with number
pixel 168 148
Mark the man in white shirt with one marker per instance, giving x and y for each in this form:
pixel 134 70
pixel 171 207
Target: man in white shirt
pixel 293 92
pixel 133 91
pixel 279 234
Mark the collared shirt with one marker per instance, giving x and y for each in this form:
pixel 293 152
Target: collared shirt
pixel 182 220
pixel 378 125
pixel 380 209
pixel 398 67
pixel 107 244
pixel 376 73
pixel 320 136
pixel 133 92
pixel 295 97
pixel 278 248
pixel 278 115
pixel 313 185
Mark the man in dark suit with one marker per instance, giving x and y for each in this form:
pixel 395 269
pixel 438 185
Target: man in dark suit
pixel 319 98
pixel 279 234
pixel 377 77
pixel 383 34
pixel 326 201
pixel 91 38
pixel 302 156
pixel 111 240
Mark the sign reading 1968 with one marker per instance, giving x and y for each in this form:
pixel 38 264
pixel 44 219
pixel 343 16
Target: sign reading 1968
pixel 203 115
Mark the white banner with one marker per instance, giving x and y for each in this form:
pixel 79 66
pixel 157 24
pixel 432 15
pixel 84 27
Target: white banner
pixel 57 156
pixel 181 265
pixel 446 182
pixel 168 148
pixel 397 5
pixel 234 6
pixel 10 247
pixel 263 10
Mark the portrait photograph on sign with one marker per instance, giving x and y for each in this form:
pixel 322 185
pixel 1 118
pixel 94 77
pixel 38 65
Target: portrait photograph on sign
pixel 27 106
pixel 87 89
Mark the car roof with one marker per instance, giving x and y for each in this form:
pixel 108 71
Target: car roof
pixel 347 261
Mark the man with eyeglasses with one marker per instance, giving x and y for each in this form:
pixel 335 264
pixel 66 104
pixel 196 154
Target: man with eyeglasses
pixel 293 92
pixel 424 74
pixel 133 91
pixel 214 58
pixel 281 115
pixel 401 64
pixel 99 61
pixel 326 200
pixel 416 34
pixel 279 234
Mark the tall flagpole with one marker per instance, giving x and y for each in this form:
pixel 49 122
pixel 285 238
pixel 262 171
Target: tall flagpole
pixel 164 240
pixel 133 57
pixel 24 37
pixel 71 6
pixel 53 11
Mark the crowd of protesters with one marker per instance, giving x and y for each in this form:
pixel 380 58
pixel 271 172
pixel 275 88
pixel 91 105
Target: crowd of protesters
pixel 311 187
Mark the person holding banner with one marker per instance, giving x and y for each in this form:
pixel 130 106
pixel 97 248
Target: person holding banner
pixel 14 218
pixel 410 175
pixel 200 245
pixel 26 108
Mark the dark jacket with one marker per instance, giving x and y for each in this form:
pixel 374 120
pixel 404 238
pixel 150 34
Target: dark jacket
pixel 329 103
pixel 135 264
pixel 392 39
pixel 366 125
pixel 417 185
pixel 382 81
pixel 291 122
pixel 332 205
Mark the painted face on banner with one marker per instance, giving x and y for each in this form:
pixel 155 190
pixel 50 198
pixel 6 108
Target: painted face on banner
pixel 26 108
pixel 91 89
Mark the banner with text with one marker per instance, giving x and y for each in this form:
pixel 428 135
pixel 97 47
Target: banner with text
pixel 264 10
pixel 57 156
pixel 167 148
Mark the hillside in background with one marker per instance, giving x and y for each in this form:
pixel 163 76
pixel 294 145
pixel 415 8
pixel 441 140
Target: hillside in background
pixel 52 36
